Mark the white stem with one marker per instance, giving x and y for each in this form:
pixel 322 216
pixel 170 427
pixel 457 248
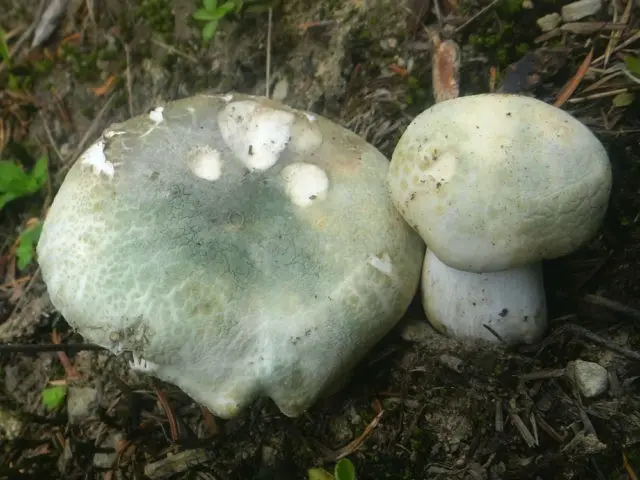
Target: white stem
pixel 507 307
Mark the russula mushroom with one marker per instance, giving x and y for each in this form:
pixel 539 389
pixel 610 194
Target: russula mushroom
pixel 235 246
pixel 494 184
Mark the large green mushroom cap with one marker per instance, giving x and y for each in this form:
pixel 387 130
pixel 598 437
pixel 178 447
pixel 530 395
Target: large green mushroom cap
pixel 236 246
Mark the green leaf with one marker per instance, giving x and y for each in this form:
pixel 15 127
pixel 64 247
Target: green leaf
pixel 209 30
pixel 345 470
pixel 319 474
pixel 40 172
pixel 26 249
pixel 210 5
pixel 14 182
pixel 623 99
pixel 12 178
pixel 225 9
pixel 205 15
pixel 633 64
pixel 4 50
pixel 53 397
pixel 6 198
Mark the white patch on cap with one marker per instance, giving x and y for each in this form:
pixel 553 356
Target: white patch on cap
pixel 205 162
pixel 381 263
pixel 95 158
pixel 305 183
pixel 108 134
pixel 310 116
pixel 156 115
pixel 141 365
pixel 306 136
pixel 257 135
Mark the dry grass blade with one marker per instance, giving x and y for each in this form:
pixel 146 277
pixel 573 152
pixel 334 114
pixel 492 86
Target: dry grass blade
pixel 614 306
pixel 523 430
pixel 569 88
pixel 615 35
pixel 626 43
pixel 598 340
pixel 164 403
pixel 70 371
pixel 355 444
pixel 627 466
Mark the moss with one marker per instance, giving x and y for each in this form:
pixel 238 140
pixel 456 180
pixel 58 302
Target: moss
pixel 157 15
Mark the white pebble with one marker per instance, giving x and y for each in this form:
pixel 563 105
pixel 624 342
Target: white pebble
pixel 591 378
pixel 205 163
pixel 578 10
pixel 305 183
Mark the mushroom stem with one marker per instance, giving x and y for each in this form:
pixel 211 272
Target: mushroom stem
pixel 507 307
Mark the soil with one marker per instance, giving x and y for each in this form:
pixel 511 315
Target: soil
pixel 423 406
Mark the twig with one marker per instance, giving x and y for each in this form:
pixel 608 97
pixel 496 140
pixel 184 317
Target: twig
pixel 603 342
pixel 90 131
pixel 614 306
pixel 569 88
pixel 268 73
pixel 172 49
pixel 595 96
pixel 354 445
pixel 27 33
pixel 164 403
pixel 522 429
pixel 128 79
pixel 626 43
pixel 542 375
pixel 52 142
pixel 499 417
pixel 70 371
pixel 478 14
pixel 627 466
pixel 48 347
pixel 615 35
pixel 21 301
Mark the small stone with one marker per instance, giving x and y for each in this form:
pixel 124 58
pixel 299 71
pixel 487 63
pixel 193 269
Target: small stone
pixel 591 378
pixel 388 43
pixel 177 463
pixel 581 9
pixel 451 362
pixel 280 90
pixel 417 331
pixel 10 425
pixel 81 403
pixel 106 459
pixel 549 22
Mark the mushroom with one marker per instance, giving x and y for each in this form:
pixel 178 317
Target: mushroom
pixel 235 246
pixel 495 184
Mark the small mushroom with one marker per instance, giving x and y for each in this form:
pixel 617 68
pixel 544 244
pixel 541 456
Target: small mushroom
pixel 494 184
pixel 235 246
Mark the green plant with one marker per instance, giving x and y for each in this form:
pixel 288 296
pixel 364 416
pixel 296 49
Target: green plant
pixel 53 397
pixel 212 13
pixel 343 470
pixel 16 183
pixel 26 248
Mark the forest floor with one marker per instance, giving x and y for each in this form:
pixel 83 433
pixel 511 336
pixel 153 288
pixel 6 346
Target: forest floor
pixel 420 406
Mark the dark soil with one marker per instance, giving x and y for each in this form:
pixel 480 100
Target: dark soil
pixel 449 410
